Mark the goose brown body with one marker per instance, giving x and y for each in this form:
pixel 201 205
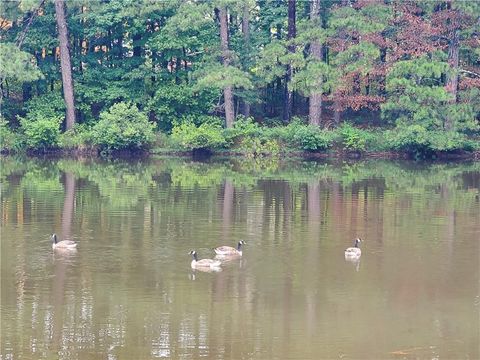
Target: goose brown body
pixel 203 263
pixel 354 252
pixel 64 244
pixel 229 250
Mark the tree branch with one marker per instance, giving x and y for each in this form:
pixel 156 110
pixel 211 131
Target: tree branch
pixel 469 72
pixel 22 35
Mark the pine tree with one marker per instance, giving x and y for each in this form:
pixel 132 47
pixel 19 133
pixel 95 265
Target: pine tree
pixel 67 78
pixel 227 91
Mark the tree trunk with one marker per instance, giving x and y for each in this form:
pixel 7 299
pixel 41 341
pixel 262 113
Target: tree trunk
pixel 65 64
pixel 26 91
pixel 246 38
pixel 228 90
pixel 452 78
pixel 336 116
pixel 137 48
pixel 288 101
pixel 315 101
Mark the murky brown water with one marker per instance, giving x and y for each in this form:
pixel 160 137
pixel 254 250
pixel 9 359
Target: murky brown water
pixel 129 293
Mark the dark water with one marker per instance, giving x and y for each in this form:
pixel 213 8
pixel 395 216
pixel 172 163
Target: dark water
pixel 129 292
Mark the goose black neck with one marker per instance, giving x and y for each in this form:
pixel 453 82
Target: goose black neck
pixel 239 246
pixel 195 256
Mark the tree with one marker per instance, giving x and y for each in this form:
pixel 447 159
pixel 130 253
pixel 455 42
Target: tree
pixel 416 94
pixel 453 24
pixel 407 62
pixel 246 37
pixel 292 29
pixel 227 90
pixel 312 76
pixel 355 41
pixel 422 81
pixel 66 66
pixel 17 66
pixel 315 101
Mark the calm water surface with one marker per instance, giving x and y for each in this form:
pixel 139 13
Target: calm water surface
pixel 129 292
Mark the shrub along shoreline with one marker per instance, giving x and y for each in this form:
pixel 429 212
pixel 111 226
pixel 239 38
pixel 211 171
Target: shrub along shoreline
pixel 125 129
pixel 93 152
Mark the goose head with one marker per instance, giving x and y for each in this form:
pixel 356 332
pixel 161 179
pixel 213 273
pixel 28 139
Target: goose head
pixel 53 237
pixel 194 254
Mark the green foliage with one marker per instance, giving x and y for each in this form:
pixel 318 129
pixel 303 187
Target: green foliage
pixel 466 113
pixel 353 139
pixel 41 133
pixel 200 119
pixel 173 102
pixel 311 138
pixel 257 147
pixel 123 126
pixel 305 137
pixel 8 139
pixel 355 52
pixel 50 105
pixel 76 138
pixel 242 127
pixel 315 76
pixel 17 65
pixel 416 93
pixel 206 136
pixel 358 58
pixel 166 57
pixel 421 143
pixel 271 64
pixel 217 76
pixel 347 18
pixel 40 128
pixel 255 139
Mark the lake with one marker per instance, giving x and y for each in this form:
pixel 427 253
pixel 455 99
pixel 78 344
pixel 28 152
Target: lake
pixel 129 292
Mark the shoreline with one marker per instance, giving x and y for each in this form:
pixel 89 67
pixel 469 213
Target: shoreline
pixel 206 154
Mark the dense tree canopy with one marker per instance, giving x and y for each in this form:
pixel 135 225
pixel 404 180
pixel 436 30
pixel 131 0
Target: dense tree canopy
pixel 382 62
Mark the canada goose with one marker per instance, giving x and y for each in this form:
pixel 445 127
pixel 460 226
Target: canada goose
pixel 203 263
pixel 354 252
pixel 64 244
pixel 228 250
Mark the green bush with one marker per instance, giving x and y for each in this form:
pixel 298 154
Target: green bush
pixel 8 139
pixel 40 133
pixel 206 136
pixel 242 127
pixel 198 120
pixel 312 138
pixel 50 105
pixel 173 101
pixel 77 137
pixel 421 143
pixel 376 140
pixel 122 127
pixel 353 139
pixel 305 137
pixel 258 147
pixel 163 141
pixel 296 135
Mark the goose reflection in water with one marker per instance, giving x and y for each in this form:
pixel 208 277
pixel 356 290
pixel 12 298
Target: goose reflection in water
pixel 354 261
pixel 193 274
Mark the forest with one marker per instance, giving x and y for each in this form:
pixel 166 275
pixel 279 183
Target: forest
pixel 254 77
